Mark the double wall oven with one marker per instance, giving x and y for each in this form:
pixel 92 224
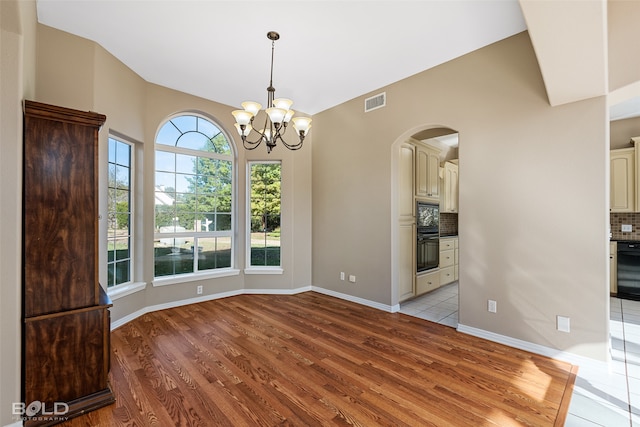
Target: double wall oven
pixel 427 236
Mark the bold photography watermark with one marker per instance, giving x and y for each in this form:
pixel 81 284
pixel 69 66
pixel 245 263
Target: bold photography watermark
pixel 38 411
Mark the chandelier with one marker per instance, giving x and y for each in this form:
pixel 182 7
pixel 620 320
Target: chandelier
pixel 278 116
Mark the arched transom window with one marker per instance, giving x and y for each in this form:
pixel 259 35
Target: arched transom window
pixel 193 197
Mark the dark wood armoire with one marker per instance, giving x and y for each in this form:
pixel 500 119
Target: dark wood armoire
pixel 66 348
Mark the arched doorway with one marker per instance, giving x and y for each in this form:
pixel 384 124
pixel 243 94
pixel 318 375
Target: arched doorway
pixel 425 172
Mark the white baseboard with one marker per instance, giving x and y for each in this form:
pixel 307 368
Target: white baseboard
pixel 128 318
pixel 542 350
pixel 357 300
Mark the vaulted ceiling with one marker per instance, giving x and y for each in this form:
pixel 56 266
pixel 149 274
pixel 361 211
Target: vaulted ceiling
pixel 331 51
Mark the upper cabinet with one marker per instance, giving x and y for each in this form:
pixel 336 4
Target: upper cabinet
pixel 450 190
pixel 623 180
pixel 406 181
pixel 427 172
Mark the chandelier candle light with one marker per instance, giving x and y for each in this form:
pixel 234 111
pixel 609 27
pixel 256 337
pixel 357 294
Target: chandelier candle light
pixel 278 116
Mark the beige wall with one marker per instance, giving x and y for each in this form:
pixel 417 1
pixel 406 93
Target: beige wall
pixel 622 131
pixel 533 211
pixel 624 56
pixel 17 50
pixel 89 77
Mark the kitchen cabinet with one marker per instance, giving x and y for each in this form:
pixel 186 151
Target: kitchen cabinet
pixel 450 190
pixel 448 260
pixel 623 180
pixel 428 281
pixel 406 262
pixel 427 172
pixel 613 267
pixel 406 205
pixel 455 265
pixel 66 329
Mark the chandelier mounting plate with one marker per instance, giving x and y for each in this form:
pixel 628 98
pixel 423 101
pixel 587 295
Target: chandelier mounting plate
pixel 272 35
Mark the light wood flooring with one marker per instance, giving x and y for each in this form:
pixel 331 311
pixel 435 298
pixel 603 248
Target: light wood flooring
pixel 314 360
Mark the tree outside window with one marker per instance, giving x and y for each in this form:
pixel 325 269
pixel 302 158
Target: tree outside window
pixel 193 197
pixel 265 187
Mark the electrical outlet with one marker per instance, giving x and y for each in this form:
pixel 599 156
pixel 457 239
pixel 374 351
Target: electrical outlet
pixel 626 228
pixel 563 324
pixel 352 278
pixel 199 290
pixel 492 306
pixel 342 275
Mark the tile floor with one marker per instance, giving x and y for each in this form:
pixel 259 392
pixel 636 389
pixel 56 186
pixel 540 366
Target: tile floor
pixel 608 399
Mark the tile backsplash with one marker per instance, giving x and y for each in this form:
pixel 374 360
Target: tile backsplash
pixel 448 224
pixel 631 218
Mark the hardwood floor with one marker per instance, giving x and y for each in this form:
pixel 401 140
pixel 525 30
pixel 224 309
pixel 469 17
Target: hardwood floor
pixel 312 360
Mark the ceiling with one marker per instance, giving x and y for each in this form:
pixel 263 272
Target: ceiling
pixel 329 51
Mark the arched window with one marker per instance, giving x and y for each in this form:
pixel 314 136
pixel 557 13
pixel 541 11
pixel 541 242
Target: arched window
pixel 193 197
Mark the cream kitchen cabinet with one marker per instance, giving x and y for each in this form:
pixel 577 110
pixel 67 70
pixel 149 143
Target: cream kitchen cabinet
pixel 428 281
pixel 406 181
pixel 427 172
pixel 450 190
pixel 448 260
pixel 406 262
pixel 623 180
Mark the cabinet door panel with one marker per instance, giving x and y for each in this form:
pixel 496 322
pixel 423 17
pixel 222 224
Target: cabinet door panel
pixel 406 262
pixel 405 184
pixel 622 191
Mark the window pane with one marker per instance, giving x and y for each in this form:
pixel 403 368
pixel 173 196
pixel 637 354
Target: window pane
pixel 223 222
pixel 190 185
pixel 165 161
pixel 122 248
pixel 122 176
pixel 172 257
pixel 184 123
pixel 193 141
pixel 185 183
pixel 265 214
pixel 168 135
pixel 119 213
pixel 112 175
pixel 207 128
pixel 166 181
pixel 123 154
pixel 186 164
pixel 221 145
pixel 122 272
pixel 214 253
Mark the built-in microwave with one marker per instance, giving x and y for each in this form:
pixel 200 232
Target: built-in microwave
pixel 428 217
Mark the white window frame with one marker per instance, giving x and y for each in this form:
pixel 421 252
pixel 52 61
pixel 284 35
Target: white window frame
pixel 260 269
pixel 126 288
pixel 205 274
pixel 131 190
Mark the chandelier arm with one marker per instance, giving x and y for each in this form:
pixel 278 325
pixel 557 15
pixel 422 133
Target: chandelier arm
pixel 295 146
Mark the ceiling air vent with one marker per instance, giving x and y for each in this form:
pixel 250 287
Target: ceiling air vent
pixel 375 102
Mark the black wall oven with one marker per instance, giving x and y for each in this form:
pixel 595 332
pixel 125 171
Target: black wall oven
pixel 629 270
pixel 427 236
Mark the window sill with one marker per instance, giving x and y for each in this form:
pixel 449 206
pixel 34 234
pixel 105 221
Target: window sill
pixel 124 290
pixel 176 280
pixel 263 270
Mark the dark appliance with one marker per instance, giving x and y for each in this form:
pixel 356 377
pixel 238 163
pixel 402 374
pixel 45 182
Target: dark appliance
pixel 427 236
pixel 629 270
